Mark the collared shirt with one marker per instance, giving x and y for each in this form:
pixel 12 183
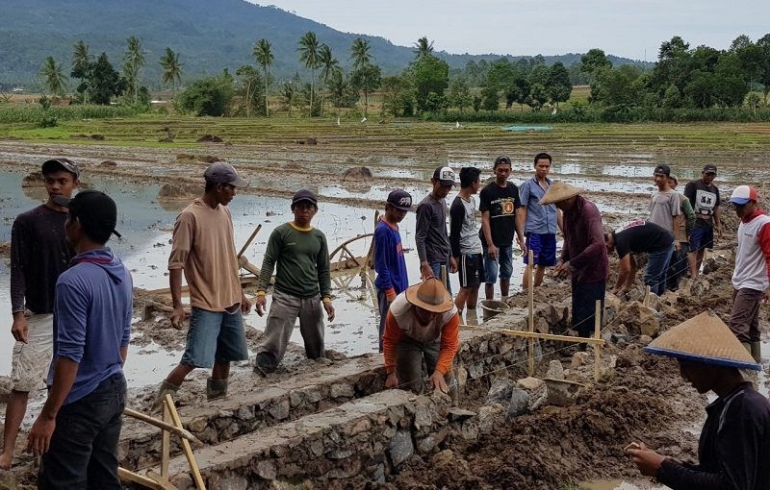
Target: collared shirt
pixel 584 246
pixel 540 219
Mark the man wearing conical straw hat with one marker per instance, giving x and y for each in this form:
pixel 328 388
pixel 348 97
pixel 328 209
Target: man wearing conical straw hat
pixel 584 254
pixel 422 323
pixel 734 448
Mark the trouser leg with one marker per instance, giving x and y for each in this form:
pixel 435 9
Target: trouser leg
pixel 311 326
pixel 280 325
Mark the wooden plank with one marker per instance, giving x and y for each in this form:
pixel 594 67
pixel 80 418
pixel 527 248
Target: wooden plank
pixel 248 242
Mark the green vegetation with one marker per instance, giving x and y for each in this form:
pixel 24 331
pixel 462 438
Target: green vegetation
pixel 34 114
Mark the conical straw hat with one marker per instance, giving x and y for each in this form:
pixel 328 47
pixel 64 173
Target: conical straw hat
pixel 430 295
pixel 559 191
pixel 705 339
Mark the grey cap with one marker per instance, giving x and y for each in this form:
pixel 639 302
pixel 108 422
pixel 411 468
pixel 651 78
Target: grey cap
pixel 56 164
pixel 224 173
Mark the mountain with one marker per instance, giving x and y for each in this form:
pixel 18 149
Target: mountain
pixel 209 35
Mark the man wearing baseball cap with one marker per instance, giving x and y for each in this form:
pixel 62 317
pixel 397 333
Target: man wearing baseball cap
pixel 78 428
pixel 684 224
pixel 752 268
pixel 666 212
pixel 39 254
pixel 203 248
pixel 704 198
pixel 431 237
pixel 300 256
pixel 392 278
pixel 422 325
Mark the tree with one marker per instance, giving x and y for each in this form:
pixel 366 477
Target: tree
pixel 594 61
pixel 206 97
pixel 288 92
pixel 429 74
pixel 102 81
pixel 423 47
pixel 359 53
pixel 133 61
pixel 460 95
pixel 263 53
pixel 366 79
pixel 537 96
pixel 249 80
pixel 557 83
pixel 172 68
pixel 308 54
pixel 328 63
pixel 341 93
pixel 518 92
pixel 615 87
pixel 500 74
pixel 53 76
pixel 397 96
pixel 763 75
pixel 490 99
pixel 81 60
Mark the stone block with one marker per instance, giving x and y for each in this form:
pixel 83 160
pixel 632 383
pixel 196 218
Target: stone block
pixel 280 410
pixel 519 403
pixel 580 359
pixel 342 390
pixel 562 393
pixel 266 470
pixel 555 370
pixel 490 417
pixel 401 448
pixel 500 391
pixel 536 390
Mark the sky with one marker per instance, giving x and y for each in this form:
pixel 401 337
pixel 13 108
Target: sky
pixel 628 28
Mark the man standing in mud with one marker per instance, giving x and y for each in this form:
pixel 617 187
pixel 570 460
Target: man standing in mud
pixel 203 246
pixel 665 209
pixel 684 224
pixel 498 203
pixel 465 241
pixel 78 428
pixel 39 254
pixel 431 238
pixel 751 276
pixel 392 278
pixel 584 255
pixel 300 255
pixel 704 197
pixel 539 222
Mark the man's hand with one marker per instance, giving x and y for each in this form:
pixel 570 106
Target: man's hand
pixel 719 230
pixel 522 244
pixel 562 270
pixel 391 381
pixel 260 303
pixel 390 298
pixel 677 246
pixel 492 251
pixel 329 310
pixel 245 305
pixel 20 329
pixel 647 460
pixel 437 382
pixel 425 271
pixel 178 316
pixel 452 265
pixel 39 439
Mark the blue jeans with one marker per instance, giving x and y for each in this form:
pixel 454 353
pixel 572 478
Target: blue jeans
pixel 214 337
pixel 503 264
pixel 84 445
pixel 584 298
pixel 657 269
pixel 436 268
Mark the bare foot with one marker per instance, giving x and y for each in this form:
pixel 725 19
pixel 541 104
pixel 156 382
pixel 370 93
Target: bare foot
pixel 5 461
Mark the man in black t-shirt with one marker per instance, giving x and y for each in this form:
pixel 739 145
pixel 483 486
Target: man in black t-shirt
pixel 498 202
pixel 641 236
pixel 704 198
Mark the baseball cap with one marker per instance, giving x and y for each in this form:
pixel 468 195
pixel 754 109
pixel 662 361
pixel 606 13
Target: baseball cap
pixel 400 199
pixel 224 173
pixel 743 194
pixel 304 195
pixel 95 210
pixel 501 160
pixel 662 169
pixel 709 168
pixel 674 178
pixel 445 175
pixel 56 164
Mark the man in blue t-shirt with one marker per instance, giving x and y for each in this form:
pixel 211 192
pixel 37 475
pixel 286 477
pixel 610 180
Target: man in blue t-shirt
pixel 389 261
pixel 78 429
pixel 538 221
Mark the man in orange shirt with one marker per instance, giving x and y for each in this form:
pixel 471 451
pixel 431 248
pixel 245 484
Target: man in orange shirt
pixel 422 321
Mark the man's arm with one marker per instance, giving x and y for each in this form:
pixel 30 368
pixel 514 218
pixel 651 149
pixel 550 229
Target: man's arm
pixel 560 220
pixel 764 244
pixel 390 338
pixel 449 344
pixel 456 218
pixel 381 266
pixel 324 274
pixel 182 243
pixel 274 244
pixel 19 249
pixel 718 220
pixel 39 439
pixel 422 226
pixel 689 215
pixel 625 274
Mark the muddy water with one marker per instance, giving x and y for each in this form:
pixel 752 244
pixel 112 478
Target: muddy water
pixel 618 485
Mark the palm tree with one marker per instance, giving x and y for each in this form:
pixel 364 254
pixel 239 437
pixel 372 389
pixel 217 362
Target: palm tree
pixel 263 53
pixel 328 62
pixel 308 54
pixel 172 68
pixel 249 77
pixel 53 76
pixel 423 47
pixel 359 53
pixel 81 61
pixel 287 92
pixel 133 61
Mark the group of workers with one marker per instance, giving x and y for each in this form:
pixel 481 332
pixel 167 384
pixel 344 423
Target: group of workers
pixel 72 297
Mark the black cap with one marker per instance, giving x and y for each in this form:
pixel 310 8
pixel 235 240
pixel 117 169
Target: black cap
pixel 709 168
pixel 662 169
pixel 304 195
pixel 224 173
pixel 400 199
pixel 445 175
pixel 57 164
pixel 501 160
pixel 95 210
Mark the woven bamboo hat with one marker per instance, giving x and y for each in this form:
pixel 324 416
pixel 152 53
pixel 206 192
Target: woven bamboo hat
pixel 430 295
pixel 705 339
pixel 560 191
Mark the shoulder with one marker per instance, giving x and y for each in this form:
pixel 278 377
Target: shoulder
pixel 318 233
pixel 28 217
pixel 400 306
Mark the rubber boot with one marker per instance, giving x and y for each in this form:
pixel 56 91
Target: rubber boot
pixel 756 351
pixel 215 389
pixel 166 388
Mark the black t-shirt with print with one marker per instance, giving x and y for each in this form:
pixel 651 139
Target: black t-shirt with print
pixel 502 203
pixel 641 236
pixel 704 200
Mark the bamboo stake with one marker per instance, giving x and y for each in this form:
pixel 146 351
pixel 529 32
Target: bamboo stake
pixel 444 278
pixel 180 431
pixel 531 294
pixel 165 448
pixel 248 242
pixel 598 336
pixel 126 475
pixel 549 336
pixel 196 472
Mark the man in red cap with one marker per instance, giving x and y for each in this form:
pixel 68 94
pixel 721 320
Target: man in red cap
pixel 422 323
pixel 752 268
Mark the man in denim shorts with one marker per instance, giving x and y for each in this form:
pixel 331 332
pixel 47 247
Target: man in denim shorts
pixel 498 202
pixel 204 248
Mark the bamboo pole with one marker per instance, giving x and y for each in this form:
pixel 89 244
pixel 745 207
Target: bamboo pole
pixel 531 294
pixel 165 448
pixel 126 475
pixel 549 336
pixel 180 431
pixel 251 239
pixel 444 277
pixel 598 336
pixel 196 472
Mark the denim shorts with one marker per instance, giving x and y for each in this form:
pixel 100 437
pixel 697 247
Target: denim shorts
pixel 503 264
pixel 214 336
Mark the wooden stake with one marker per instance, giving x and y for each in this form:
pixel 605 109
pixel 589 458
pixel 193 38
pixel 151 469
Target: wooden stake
pixel 444 277
pixel 531 294
pixel 598 336
pixel 126 475
pixel 181 432
pixel 165 448
pixel 248 242
pixel 196 472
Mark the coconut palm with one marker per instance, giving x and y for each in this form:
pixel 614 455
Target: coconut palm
pixel 81 61
pixel 263 53
pixel 423 47
pixel 53 76
pixel 359 53
pixel 172 68
pixel 133 62
pixel 308 54
pixel 328 62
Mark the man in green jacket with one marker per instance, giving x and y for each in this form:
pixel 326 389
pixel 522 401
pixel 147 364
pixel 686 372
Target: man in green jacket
pixel 302 284
pixel 684 223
